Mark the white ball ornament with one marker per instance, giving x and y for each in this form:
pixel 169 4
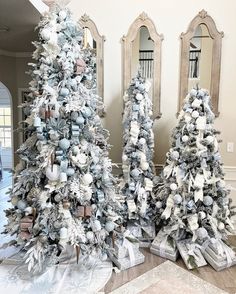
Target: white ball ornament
pixel 104 257
pixel 196 103
pixel 53 172
pixel 87 179
pixel 202 233
pixel 96 226
pixel 210 139
pixel 139 96
pixel 75 150
pixel 144 165
pixel 221 184
pixel 70 171
pixel 62 15
pixel 202 215
pixel 45 34
pixel 90 236
pixel 173 187
pixel 158 204
pixel 21 205
pixel 195 114
pixel 177 199
pixel 142 141
pixel 64 144
pixel 185 138
pixel 221 226
pixel 207 200
pixel 80 120
pixel 109 226
pixel 14 200
pixel 175 155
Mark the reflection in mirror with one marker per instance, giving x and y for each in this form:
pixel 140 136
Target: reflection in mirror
pixel 200 58
pixel 142 55
pixel 94 41
pixel 141 50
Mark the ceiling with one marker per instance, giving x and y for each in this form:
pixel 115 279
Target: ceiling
pixel 21 17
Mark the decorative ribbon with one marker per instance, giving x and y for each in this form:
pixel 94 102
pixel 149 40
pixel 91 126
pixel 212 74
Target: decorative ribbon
pixel 169 205
pixel 193 249
pixel 130 247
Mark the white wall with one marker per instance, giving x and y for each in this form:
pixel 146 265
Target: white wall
pixel 113 19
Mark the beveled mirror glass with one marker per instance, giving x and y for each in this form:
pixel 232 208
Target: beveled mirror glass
pixel 142 51
pixel 95 42
pixel 201 58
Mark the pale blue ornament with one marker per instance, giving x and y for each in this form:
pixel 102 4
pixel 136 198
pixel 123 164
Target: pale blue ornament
pixel 21 205
pixel 70 171
pixel 80 120
pixel 64 92
pixel 64 144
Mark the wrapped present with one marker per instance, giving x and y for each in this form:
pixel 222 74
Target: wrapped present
pixel 191 254
pixel 125 246
pixel 162 253
pixel 128 261
pixel 141 231
pixel 164 241
pixel 218 254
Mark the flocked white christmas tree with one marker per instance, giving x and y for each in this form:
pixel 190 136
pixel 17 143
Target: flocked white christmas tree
pixel 63 192
pixel 191 195
pixel 137 165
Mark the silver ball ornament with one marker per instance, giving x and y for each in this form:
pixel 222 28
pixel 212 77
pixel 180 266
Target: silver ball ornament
pixel 207 200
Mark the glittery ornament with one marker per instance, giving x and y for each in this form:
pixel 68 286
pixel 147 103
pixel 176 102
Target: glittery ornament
pixel 207 200
pixel 202 233
pixel 87 179
pixel 64 144
pixel 177 198
pixel 173 187
pixel 109 226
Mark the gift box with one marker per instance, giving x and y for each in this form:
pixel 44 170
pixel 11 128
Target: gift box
pixel 162 253
pixel 142 231
pixel 218 254
pixel 121 249
pixel 191 254
pixel 162 246
pixel 127 262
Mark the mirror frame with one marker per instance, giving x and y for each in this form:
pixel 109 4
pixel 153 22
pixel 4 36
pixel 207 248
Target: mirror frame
pixel 143 20
pixel 86 22
pixel 201 18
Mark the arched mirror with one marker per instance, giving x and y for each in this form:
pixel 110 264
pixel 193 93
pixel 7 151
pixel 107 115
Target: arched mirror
pixel 201 58
pixel 95 42
pixel 142 51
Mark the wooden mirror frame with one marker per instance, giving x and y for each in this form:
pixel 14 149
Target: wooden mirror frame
pixel 201 18
pixel 143 20
pixel 86 22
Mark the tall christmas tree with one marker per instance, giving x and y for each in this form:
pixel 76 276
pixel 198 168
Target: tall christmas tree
pixel 137 165
pixel 63 192
pixel 191 195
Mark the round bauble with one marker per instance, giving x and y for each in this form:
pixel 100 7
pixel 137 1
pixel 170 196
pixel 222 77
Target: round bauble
pixel 96 226
pixel 196 103
pixel 175 155
pixel 64 144
pixel 221 184
pixel 103 257
pixel 45 34
pixel 87 112
pixel 142 141
pixel 202 215
pixel 57 224
pixel 185 138
pixel 21 205
pixel 70 172
pixel 74 115
pixel 90 236
pixel 53 172
pixel 87 179
pixel 64 92
pixel 139 96
pixel 109 226
pixel 195 114
pixel 80 120
pixel 141 87
pixel 177 199
pixel 207 200
pixel 221 226
pixel 43 238
pixel 202 233
pixel 75 150
pixel 158 204
pixel 136 107
pixel 135 173
pixel 62 15
pixel 57 198
pixel 14 200
pixel 173 187
pixel 144 165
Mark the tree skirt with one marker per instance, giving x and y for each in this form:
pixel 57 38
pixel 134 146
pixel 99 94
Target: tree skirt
pixel 88 276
